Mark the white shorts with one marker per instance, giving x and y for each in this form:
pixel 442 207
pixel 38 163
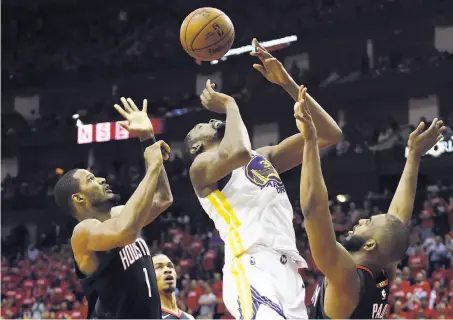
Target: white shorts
pixel 264 285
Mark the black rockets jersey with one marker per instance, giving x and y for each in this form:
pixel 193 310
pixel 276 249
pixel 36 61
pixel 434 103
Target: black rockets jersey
pixel 124 284
pixel 168 314
pixel 373 303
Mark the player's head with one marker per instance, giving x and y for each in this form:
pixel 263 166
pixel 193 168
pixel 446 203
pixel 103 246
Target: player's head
pixel 82 195
pixel 382 239
pixel 204 136
pixel 165 273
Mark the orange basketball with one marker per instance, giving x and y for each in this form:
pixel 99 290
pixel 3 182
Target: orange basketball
pixel 207 34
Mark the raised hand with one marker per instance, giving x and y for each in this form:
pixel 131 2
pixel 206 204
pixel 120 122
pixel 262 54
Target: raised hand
pixel 137 122
pixel 303 117
pixel 215 101
pixel 271 68
pixel 421 141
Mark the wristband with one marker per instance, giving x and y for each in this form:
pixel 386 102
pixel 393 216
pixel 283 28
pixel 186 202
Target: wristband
pixel 148 142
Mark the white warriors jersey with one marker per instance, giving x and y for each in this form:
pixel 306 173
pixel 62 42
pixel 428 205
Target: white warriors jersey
pixel 253 211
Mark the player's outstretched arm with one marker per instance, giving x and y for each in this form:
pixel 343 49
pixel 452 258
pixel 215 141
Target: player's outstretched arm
pixel 330 257
pixel 419 143
pixel 138 123
pixel 234 150
pixel 402 204
pixel 93 235
pixel 287 154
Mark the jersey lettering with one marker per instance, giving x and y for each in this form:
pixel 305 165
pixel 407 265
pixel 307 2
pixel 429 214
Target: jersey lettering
pixel 379 310
pixel 132 252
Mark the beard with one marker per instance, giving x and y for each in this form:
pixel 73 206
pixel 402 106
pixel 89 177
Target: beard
pixel 105 203
pixel 353 243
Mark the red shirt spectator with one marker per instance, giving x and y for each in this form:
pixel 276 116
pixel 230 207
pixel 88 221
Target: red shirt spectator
pixel 209 260
pixel 421 289
pixel 398 312
pixel 426 216
pixel 439 274
pixel 417 262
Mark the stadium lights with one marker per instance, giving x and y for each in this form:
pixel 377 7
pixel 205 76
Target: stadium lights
pixel 244 49
pixel 342 198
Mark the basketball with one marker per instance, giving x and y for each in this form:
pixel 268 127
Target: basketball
pixel 207 34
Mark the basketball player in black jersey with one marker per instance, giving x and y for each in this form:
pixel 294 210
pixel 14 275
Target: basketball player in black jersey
pixel 355 285
pixel 166 282
pixel 112 260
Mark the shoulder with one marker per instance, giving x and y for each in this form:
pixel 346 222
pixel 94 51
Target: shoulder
pixel 199 162
pixel 81 232
pixel 116 211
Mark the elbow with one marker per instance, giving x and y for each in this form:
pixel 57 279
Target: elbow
pixel 128 235
pixel 313 201
pixel 335 136
pixel 166 203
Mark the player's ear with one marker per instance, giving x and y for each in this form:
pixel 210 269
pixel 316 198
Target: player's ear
pixel 370 245
pixel 78 198
pixel 196 148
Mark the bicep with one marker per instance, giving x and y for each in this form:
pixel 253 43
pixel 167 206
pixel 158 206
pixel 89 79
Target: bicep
pixel 209 168
pixel 288 153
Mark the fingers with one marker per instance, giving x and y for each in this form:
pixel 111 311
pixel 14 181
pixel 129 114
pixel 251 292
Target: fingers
pixel 204 100
pixel 124 124
pixel 121 111
pixel 302 93
pixel 209 87
pixel 419 129
pixel 126 105
pixel 132 104
pixel 145 106
pixel 165 148
pixel 260 68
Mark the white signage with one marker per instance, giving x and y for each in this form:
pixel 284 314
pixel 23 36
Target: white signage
pixel 442 147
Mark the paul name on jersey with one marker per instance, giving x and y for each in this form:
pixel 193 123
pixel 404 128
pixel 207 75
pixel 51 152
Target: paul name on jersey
pixel 134 251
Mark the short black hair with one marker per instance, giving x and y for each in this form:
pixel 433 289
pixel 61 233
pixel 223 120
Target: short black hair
pixel 63 191
pixel 394 238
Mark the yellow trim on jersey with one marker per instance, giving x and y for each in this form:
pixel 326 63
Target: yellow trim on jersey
pixel 226 211
pixel 243 288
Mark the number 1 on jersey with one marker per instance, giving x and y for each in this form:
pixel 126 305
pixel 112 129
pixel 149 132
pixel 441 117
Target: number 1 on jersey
pixel 147 281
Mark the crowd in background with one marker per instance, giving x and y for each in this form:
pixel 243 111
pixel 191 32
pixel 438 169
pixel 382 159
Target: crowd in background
pixel 68 37
pixel 39 281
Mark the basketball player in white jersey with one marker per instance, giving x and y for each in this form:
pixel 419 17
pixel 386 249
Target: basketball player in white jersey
pixel 241 191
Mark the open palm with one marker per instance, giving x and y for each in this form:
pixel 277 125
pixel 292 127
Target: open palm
pixel 421 141
pixel 137 122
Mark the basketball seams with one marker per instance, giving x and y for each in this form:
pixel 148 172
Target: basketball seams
pixel 187 27
pixel 199 31
pixel 204 57
pixel 228 33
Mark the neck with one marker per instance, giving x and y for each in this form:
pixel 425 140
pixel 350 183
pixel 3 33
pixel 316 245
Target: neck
pixel 98 214
pixel 361 259
pixel 168 301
